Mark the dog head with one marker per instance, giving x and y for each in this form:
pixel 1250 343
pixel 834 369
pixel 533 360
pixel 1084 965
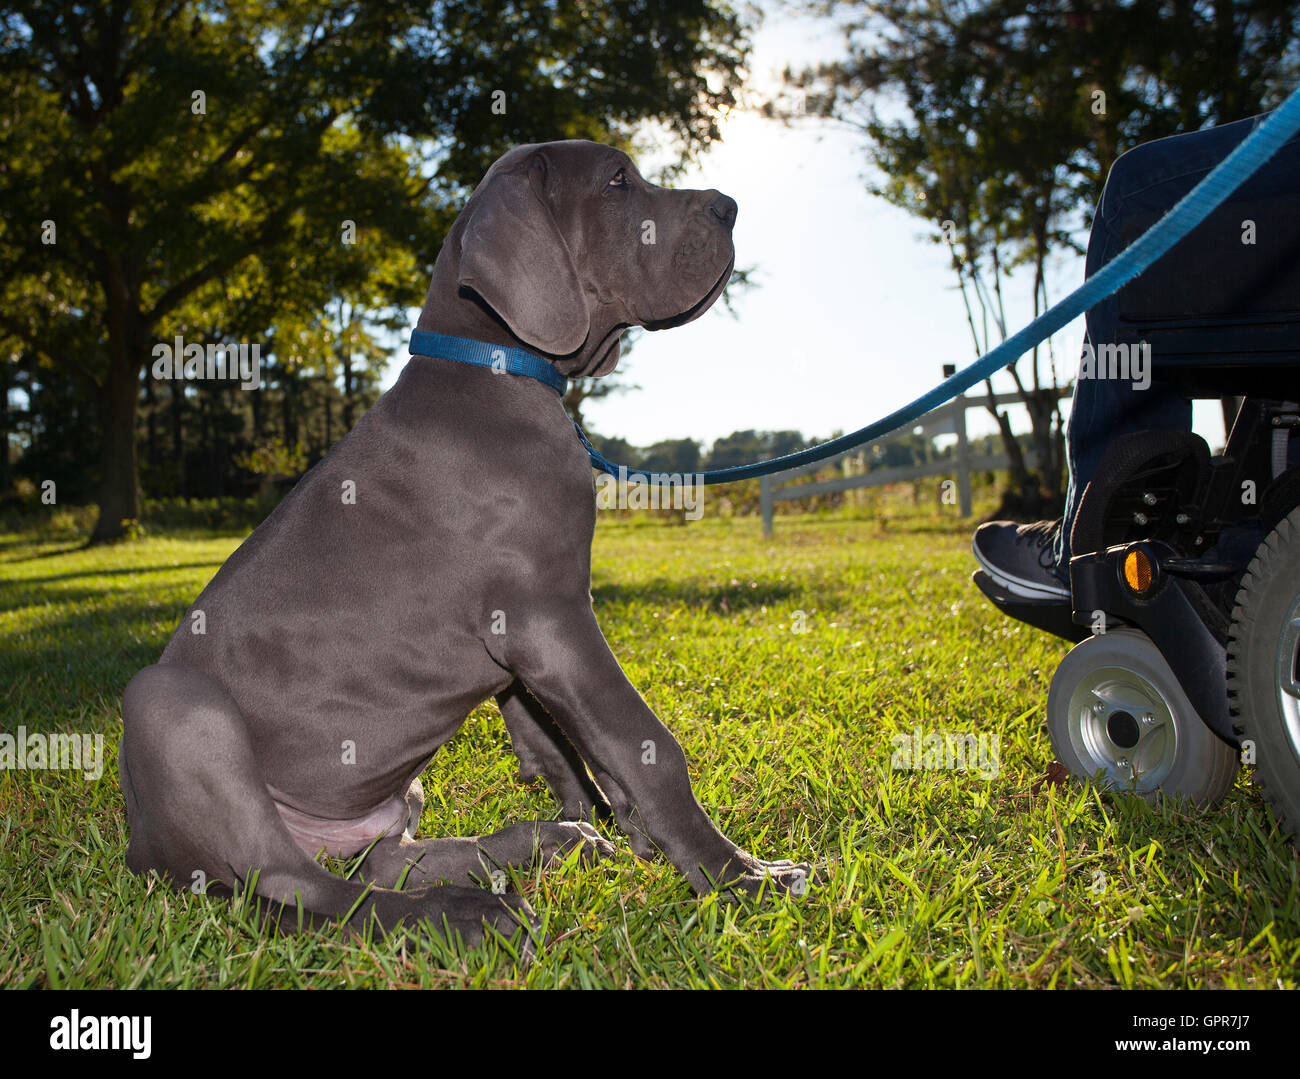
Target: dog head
pixel 565 245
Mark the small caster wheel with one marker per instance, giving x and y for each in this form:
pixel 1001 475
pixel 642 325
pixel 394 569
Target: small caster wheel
pixel 1115 707
pixel 1264 669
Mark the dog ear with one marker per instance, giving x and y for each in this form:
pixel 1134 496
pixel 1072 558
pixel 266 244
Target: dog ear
pixel 513 255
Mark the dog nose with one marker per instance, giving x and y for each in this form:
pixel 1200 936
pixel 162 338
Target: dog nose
pixel 724 209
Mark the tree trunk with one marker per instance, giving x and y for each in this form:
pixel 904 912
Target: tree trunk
pixel 1043 421
pixel 178 434
pixel 288 415
pixel 221 410
pixel 326 386
pixel 349 402
pixel 119 482
pixel 152 454
pixel 345 338
pixel 205 442
pixel 1019 471
pixel 4 429
pixel 255 402
pixel 1041 402
pixel 119 494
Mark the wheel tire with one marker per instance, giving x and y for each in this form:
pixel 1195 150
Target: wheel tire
pixel 1116 707
pixel 1264 669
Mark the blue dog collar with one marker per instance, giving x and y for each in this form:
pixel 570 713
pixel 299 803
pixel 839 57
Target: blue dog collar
pixel 514 361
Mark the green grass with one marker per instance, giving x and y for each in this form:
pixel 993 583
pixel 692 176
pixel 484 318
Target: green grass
pixel 928 878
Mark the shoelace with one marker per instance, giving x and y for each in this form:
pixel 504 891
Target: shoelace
pixel 1041 534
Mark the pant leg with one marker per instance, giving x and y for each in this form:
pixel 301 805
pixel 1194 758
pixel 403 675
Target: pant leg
pixel 1149 178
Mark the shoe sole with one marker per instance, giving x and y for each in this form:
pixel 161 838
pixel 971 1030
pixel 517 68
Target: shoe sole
pixel 1018 587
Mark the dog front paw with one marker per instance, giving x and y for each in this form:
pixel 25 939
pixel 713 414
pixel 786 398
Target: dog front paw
pixel 743 874
pixel 545 842
pixel 555 840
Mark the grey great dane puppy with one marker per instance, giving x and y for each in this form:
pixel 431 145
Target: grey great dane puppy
pixel 440 555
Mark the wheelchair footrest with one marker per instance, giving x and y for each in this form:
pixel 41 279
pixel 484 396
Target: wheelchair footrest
pixel 1052 616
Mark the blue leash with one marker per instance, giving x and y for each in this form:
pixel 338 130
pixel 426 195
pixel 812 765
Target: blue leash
pixel 1191 210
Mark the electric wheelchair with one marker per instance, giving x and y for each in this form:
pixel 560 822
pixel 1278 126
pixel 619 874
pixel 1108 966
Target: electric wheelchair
pixel 1185 567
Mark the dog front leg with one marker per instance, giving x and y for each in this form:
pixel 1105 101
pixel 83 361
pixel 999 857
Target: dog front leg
pixel 565 661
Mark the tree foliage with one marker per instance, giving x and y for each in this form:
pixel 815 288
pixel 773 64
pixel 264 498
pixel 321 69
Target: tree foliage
pixel 192 168
pixel 996 121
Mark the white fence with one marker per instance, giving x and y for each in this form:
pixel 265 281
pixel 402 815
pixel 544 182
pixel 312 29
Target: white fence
pixel 947 419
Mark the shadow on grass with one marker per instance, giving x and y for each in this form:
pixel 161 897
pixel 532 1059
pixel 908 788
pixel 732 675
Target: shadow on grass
pixel 661 592
pixel 125 572
pixel 98 604
pixel 25 545
pixel 62 665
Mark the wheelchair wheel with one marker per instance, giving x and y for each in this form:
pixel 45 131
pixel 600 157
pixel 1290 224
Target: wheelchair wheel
pixel 1116 709
pixel 1264 668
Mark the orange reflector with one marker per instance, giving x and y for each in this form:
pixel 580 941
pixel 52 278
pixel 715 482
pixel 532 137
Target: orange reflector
pixel 1137 571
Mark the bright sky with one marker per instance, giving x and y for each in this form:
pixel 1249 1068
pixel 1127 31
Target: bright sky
pixel 855 310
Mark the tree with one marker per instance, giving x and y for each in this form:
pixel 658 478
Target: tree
pixel 618 451
pixel 745 447
pixel 996 121
pixel 674 456
pixel 196 164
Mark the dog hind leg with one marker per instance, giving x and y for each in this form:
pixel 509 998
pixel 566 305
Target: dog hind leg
pixel 198 812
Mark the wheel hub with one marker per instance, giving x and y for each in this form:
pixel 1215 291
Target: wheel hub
pixel 1122 729
pixel 1122 725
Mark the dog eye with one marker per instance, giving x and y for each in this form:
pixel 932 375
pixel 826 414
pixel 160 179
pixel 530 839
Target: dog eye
pixel 619 180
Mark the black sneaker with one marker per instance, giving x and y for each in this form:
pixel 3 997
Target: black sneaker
pixel 1022 558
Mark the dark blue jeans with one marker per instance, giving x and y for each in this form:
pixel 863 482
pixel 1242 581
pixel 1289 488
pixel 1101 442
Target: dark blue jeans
pixel 1149 178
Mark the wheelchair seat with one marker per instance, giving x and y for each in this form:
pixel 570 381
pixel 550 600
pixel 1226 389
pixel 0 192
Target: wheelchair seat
pixel 1221 311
